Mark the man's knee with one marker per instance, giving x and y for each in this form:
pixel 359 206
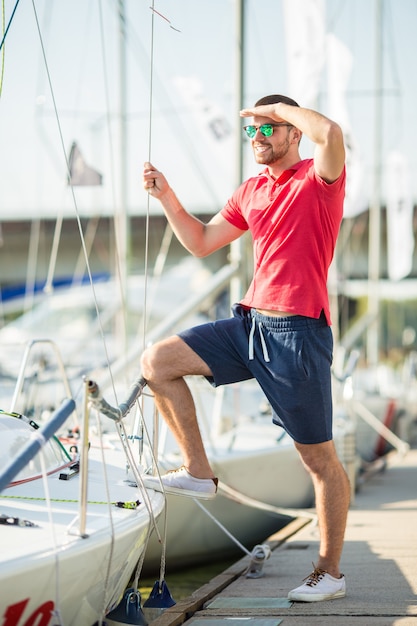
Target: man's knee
pixel 165 360
pixel 149 362
pixel 171 359
pixel 319 457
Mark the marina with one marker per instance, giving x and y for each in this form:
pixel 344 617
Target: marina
pixel 91 274
pixel 379 562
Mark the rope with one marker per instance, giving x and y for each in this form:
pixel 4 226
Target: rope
pixel 112 533
pixel 148 199
pixel 54 541
pixel 223 528
pixel 257 504
pixel 129 504
pixel 237 496
pixel 139 482
pixel 8 25
pixel 163 541
pixel 127 448
pixel 3 27
pixel 259 554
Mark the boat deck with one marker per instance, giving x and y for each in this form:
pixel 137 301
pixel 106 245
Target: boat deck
pixel 379 562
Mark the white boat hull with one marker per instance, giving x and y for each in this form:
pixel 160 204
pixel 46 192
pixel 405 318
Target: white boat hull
pixel 49 568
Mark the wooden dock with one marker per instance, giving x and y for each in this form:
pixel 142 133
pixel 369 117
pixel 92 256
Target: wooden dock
pixel 379 562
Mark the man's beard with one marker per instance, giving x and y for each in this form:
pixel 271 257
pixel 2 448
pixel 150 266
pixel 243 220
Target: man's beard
pixel 276 155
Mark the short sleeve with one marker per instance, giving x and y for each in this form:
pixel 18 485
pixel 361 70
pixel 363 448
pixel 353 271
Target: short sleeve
pixel 232 213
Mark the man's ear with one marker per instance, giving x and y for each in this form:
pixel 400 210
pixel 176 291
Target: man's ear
pixel 296 135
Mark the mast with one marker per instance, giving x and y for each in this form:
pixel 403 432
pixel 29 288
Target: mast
pixel 120 218
pixel 374 254
pixel 240 47
pixel 236 246
pixel 121 225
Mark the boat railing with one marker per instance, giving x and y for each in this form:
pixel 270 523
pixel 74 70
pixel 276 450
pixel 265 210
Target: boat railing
pixel 21 378
pixel 54 423
pixel 38 439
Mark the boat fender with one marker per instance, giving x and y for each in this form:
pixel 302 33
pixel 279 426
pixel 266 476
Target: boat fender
pixel 128 611
pixel 159 600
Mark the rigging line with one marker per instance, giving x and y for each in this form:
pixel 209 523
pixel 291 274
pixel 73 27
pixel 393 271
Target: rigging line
pixel 146 312
pixel 9 23
pixel 222 527
pixel 127 447
pixel 145 304
pixel 164 18
pixel 78 219
pixel 187 142
pixel 3 25
pixel 148 201
pixel 112 531
pixel 241 498
pixel 112 177
pixel 57 609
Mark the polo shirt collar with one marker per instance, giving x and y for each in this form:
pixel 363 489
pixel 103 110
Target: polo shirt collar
pixel 286 174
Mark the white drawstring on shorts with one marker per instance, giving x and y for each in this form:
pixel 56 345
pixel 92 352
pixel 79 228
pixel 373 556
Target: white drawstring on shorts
pixel 262 338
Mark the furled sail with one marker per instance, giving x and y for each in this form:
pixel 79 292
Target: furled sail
pixel 305 48
pixel 400 236
pixel 339 66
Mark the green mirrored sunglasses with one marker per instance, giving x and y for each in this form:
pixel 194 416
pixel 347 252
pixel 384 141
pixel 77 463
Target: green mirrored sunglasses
pixel 266 129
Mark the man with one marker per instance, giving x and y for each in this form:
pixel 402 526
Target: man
pixel 280 332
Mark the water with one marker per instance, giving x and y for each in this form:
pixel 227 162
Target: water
pixel 183 583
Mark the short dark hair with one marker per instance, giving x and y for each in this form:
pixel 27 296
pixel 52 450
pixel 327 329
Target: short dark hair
pixel 274 99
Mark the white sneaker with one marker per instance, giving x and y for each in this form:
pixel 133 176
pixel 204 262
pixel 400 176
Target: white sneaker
pixel 181 483
pixel 319 585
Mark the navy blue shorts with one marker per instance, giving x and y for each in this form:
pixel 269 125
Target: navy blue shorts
pixel 290 357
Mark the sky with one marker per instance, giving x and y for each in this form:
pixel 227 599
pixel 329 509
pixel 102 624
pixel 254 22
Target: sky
pixel 61 83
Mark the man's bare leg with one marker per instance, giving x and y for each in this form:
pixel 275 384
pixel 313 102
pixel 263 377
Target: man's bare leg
pixel 163 366
pixel 332 491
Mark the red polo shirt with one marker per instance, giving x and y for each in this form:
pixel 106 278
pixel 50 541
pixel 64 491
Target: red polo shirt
pixel 294 222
